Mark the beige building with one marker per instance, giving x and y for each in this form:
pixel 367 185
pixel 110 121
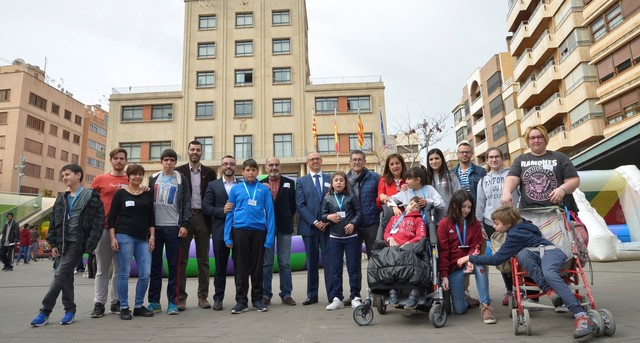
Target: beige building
pixel 42 128
pixel 246 91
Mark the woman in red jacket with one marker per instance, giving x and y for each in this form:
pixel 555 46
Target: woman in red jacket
pixel 391 183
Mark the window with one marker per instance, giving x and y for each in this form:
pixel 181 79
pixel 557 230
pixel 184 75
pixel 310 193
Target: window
pixel 5 94
pixel 76 139
pixel 283 145
pixel 31 146
pixel 281 106
pixel 242 147
pixel 67 115
pixel 78 120
pixel 35 123
pixel 243 108
pixel 359 102
pixel 131 113
pixel 244 19
pixel 133 151
pixel 494 82
pixel 156 149
pixel 55 108
pixel 280 17
pixel 204 110
pixel 37 101
pixel 244 48
pixel 206 79
pixel 66 134
pixel 51 151
pixel 29 190
pixel 161 112
pixel 366 146
pixel 53 130
pixel 3 139
pixel 97 129
pixel 49 173
pixel 88 179
pixel 244 77
pixel 64 155
pixel 496 106
pixel 281 75
pixel 96 146
pixel 3 118
pixel 499 129
pixel 207 147
pixel 207 22
pixel 326 144
pixel 606 23
pixel 461 134
pixel 282 46
pixel 75 159
pixel 95 163
pixel 31 169
pixel 326 105
pixel 206 50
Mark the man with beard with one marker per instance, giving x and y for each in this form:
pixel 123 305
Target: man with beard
pixel 215 205
pixel 283 193
pixel 107 185
pixel 468 173
pixel 198 177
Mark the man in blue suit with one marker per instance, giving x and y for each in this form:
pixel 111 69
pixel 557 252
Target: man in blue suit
pixel 310 190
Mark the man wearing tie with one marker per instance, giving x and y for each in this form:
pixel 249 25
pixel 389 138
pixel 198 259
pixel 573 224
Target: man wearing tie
pixel 310 190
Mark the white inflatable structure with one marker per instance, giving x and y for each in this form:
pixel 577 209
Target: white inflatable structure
pixel 603 244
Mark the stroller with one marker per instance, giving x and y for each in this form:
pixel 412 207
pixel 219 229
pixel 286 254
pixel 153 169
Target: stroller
pixel 555 226
pixel 404 269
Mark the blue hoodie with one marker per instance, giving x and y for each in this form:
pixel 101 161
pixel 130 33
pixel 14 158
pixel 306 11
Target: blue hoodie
pixel 247 217
pixel 520 236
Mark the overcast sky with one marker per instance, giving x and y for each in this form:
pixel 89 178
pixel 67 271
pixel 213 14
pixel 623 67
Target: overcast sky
pixel 424 50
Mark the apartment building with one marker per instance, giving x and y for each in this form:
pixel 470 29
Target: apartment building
pixel 42 128
pixel 94 151
pixel 246 91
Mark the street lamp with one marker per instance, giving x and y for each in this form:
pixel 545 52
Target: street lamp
pixel 20 167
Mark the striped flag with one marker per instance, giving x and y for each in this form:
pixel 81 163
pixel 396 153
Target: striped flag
pixel 384 136
pixel 335 131
pixel 360 131
pixel 314 130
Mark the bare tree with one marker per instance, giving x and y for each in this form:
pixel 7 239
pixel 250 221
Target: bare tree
pixel 417 138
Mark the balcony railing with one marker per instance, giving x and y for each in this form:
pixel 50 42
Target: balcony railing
pixel 558 130
pixel 585 118
pixel 345 79
pixel 146 89
pixel 551 98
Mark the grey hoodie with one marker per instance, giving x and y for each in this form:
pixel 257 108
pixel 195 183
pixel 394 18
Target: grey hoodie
pixel 489 194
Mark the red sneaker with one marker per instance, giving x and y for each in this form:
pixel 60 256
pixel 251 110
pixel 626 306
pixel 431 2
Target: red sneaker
pixel 584 326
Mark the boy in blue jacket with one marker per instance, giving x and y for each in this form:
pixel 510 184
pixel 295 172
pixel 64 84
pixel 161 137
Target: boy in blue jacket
pixel 249 228
pixel 545 270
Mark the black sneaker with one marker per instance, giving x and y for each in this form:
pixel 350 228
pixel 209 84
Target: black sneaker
pixel 125 314
pixel 142 312
pixel 98 310
pixel 411 304
pixel 260 306
pixel 239 308
pixel 115 307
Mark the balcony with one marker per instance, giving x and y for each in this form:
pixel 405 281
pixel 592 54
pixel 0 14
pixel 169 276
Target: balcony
pixel 481 147
pixel 531 118
pixel 521 39
pixel 544 48
pixel 552 108
pixel 513 116
pixel 594 8
pixel 549 80
pixel 523 66
pixel 621 83
pixel 530 30
pixel 559 140
pixel 476 106
pixel 460 125
pixel 587 130
pixel 478 127
pixel 517 145
pixel 517 13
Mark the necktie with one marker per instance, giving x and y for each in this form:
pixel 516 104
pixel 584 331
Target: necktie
pixel 317 183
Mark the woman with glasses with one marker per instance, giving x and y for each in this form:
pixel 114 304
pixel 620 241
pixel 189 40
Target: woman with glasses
pixel 489 194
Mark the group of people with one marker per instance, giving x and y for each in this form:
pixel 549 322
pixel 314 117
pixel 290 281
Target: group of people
pixel 25 239
pixel 252 221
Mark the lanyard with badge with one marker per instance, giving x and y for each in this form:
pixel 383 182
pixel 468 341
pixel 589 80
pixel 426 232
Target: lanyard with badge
pixel 394 229
pixel 341 213
pixel 73 201
pixel 462 239
pixel 422 211
pixel 252 199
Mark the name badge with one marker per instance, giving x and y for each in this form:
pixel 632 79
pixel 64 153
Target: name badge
pixel 326 184
pixel 463 247
pixel 286 185
pixel 129 203
pixel 252 202
pixel 342 214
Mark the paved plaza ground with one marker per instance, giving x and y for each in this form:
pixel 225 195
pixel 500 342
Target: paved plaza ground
pixel 615 288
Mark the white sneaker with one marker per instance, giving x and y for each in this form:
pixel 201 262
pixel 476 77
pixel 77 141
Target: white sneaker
pixel 356 302
pixel 335 304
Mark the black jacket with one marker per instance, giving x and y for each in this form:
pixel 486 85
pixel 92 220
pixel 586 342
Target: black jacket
pixel 184 199
pixel 284 206
pixel 206 175
pixel 13 232
pixel 91 222
pixel 213 206
pixel 351 207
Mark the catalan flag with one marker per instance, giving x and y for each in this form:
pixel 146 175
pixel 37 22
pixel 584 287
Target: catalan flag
pixel 335 131
pixel 360 131
pixel 314 130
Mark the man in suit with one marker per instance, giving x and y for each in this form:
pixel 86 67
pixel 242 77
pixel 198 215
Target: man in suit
pixel 310 190
pixel 283 193
pixel 10 236
pixel 198 177
pixel 215 205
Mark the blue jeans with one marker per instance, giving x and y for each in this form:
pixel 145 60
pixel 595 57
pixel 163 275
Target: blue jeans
pixel 283 251
pixel 456 287
pixel 34 250
pixel 130 247
pixel 352 248
pixel 166 239
pixel 545 272
pixel 23 251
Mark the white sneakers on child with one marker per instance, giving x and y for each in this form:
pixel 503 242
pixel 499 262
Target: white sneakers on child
pixel 335 304
pixel 356 302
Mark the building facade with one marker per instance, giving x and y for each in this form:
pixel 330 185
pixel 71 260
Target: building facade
pixel 246 91
pixel 42 128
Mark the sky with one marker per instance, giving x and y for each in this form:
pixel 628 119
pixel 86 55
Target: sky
pixel 424 50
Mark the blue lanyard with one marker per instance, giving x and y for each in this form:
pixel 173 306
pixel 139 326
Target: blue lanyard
pixel 254 190
pixel 339 202
pixel 73 201
pixel 394 228
pixel 462 240
pixel 424 196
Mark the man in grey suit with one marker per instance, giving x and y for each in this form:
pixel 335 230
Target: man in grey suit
pixel 215 205
pixel 310 190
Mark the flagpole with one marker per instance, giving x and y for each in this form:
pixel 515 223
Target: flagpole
pixel 384 136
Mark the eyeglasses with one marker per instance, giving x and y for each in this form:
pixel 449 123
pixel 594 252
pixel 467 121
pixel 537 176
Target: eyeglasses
pixel 464 152
pixel 533 138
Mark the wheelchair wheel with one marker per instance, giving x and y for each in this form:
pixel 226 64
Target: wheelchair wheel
pixel 437 315
pixel 363 316
pixel 380 305
pixel 609 323
pixel 516 325
pixel 598 324
pixel 447 301
pixel 527 322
